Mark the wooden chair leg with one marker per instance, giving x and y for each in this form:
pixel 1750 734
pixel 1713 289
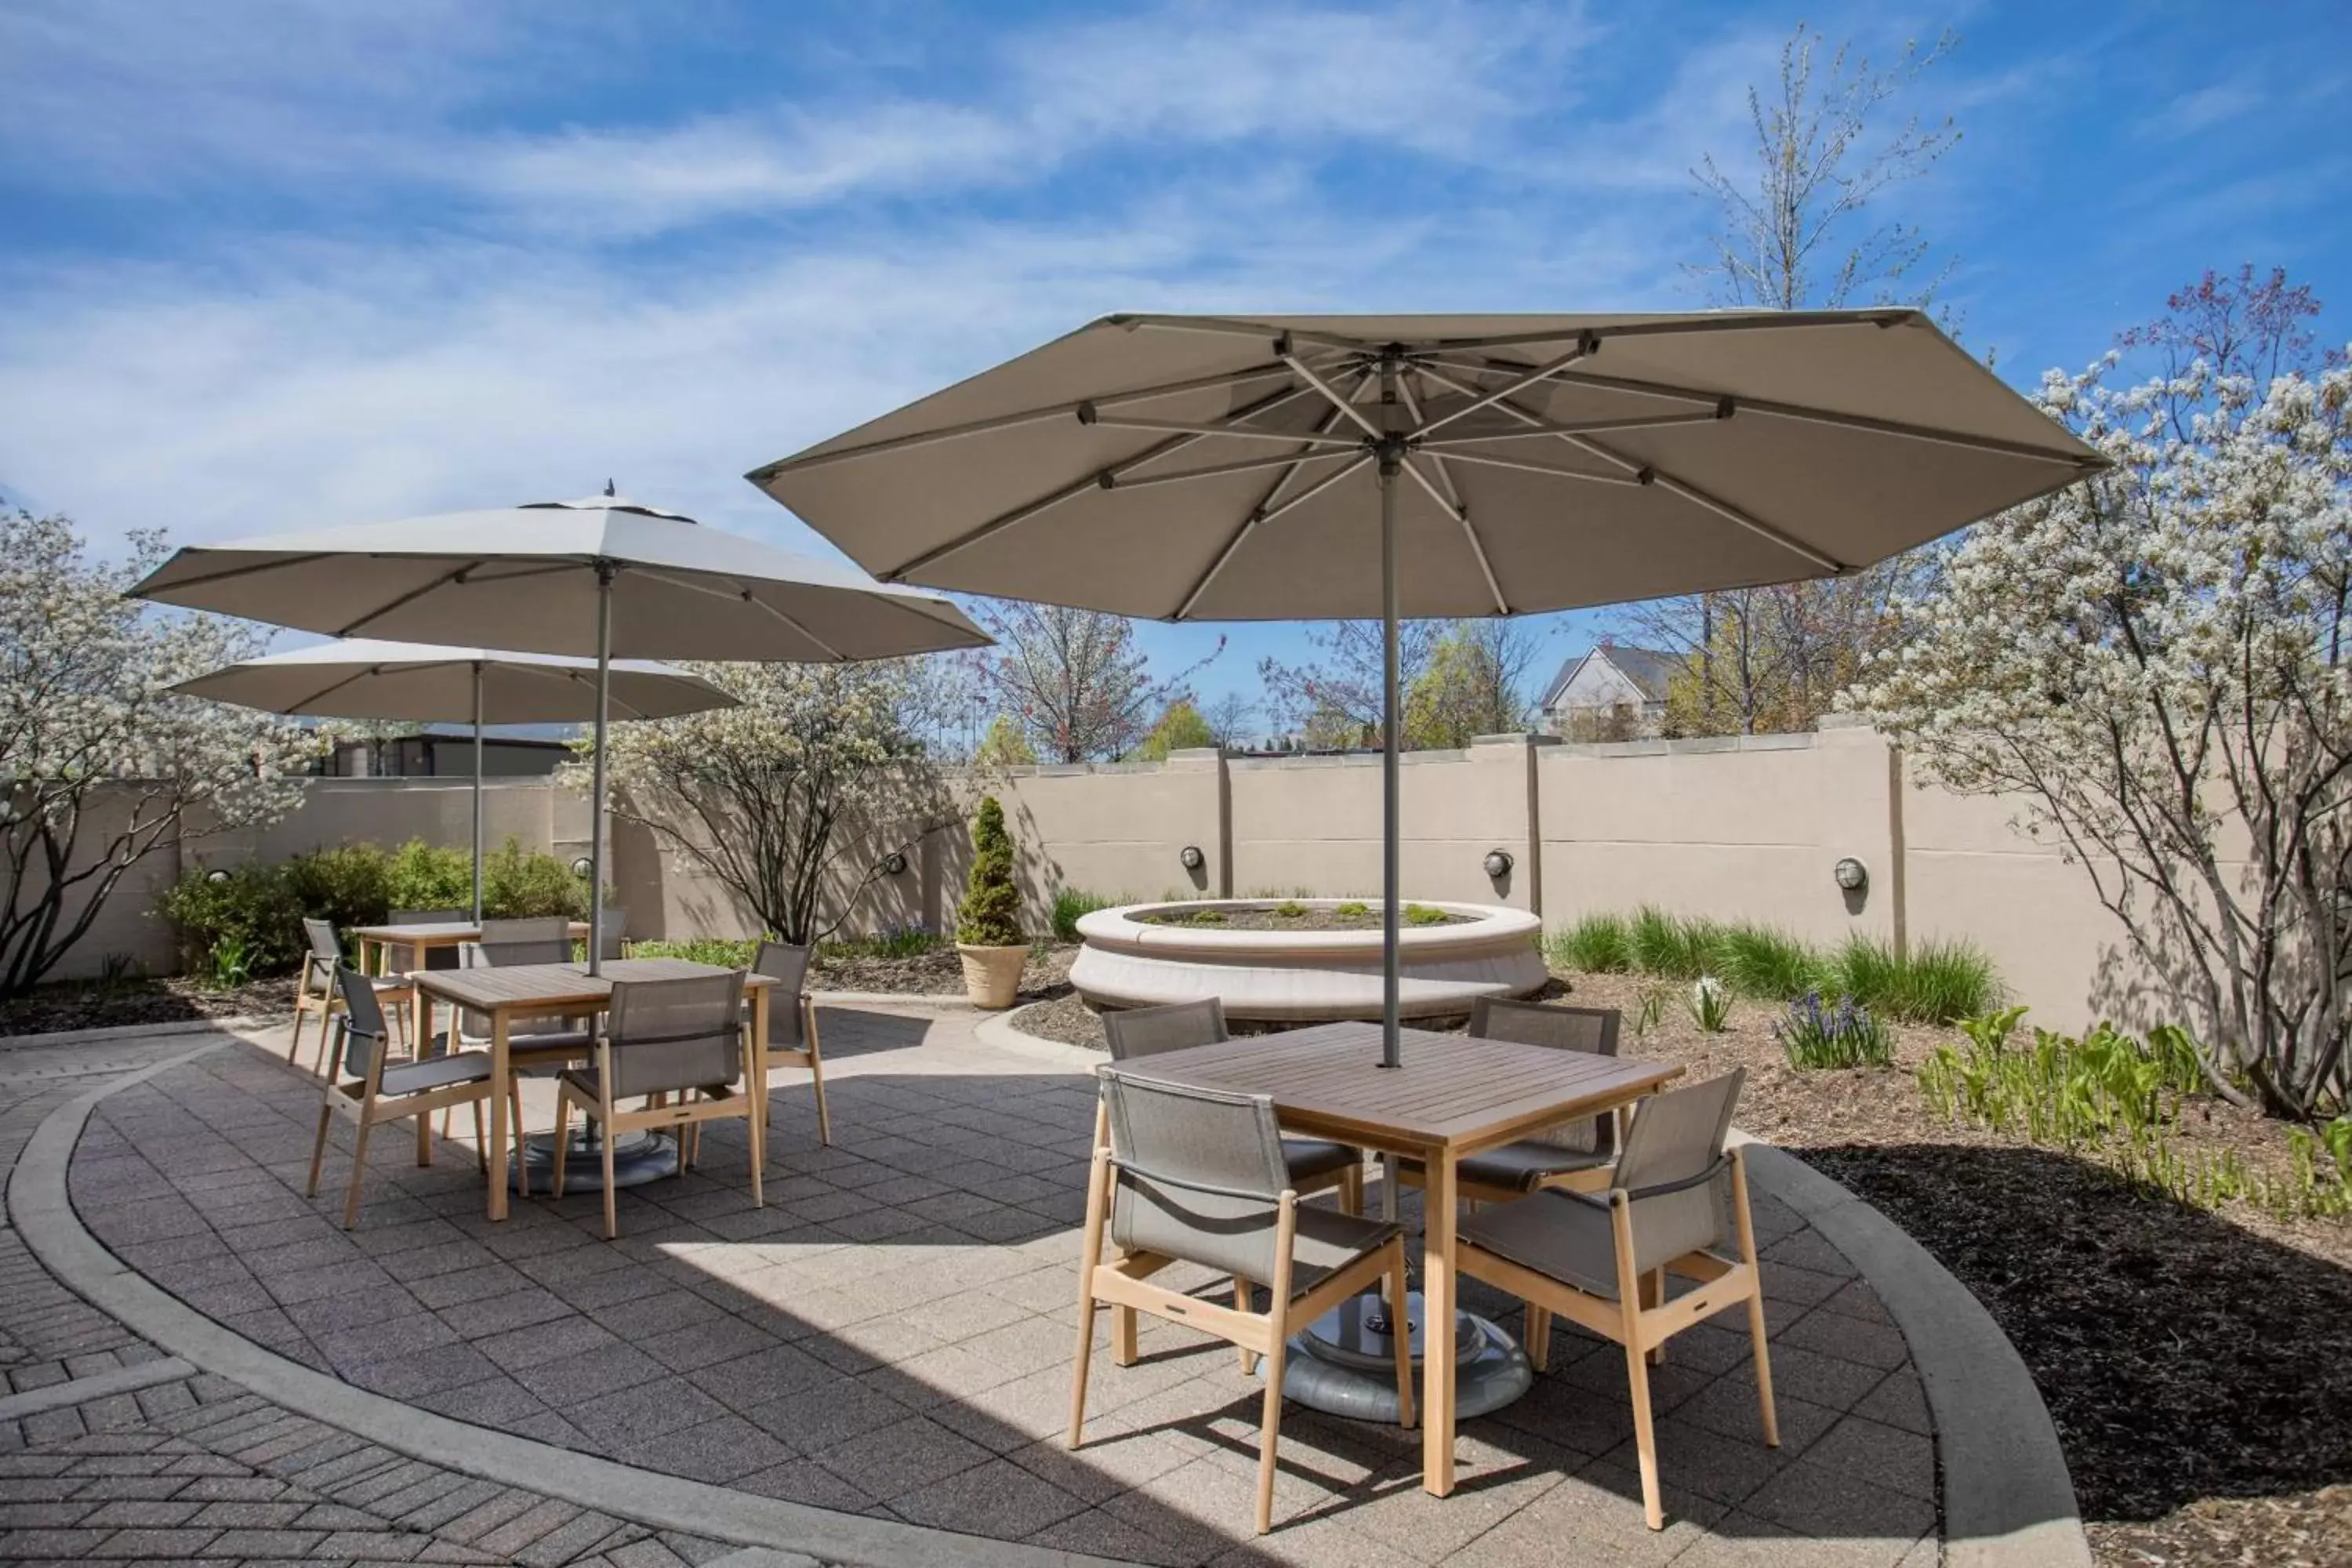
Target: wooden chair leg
pixel 1242 1304
pixel 1653 1294
pixel 562 1137
pixel 1123 1349
pixel 359 1170
pixel 1402 1340
pixel 1645 1441
pixel 1351 1188
pixel 514 1120
pixel 319 1149
pixel 481 1144
pixel 1089 1254
pixel 1744 1225
pixel 816 1077
pixel 1538 1337
pixel 612 1210
pixel 1270 1423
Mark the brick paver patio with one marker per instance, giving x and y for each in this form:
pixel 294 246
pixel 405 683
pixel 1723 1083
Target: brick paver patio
pixel 891 1336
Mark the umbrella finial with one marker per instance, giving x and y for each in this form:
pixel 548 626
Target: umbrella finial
pixel 609 490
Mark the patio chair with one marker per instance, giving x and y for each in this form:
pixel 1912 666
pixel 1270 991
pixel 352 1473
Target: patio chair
pixel 536 1048
pixel 361 1085
pixel 670 1041
pixel 531 927
pixel 1677 1205
pixel 434 957
pixel 320 966
pixel 616 924
pixel 1575 1154
pixel 1197 1175
pixel 1316 1165
pixel 792 1021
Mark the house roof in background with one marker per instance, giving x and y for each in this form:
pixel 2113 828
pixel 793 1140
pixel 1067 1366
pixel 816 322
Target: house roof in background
pixel 1649 669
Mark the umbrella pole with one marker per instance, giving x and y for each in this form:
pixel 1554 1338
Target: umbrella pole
pixel 605 571
pixel 477 792
pixel 1391 459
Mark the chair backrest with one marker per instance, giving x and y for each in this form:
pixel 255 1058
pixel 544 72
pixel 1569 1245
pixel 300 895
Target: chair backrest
pixel 1146 1031
pixel 323 945
pixel 788 966
pixel 1674 1170
pixel 668 1036
pixel 616 930
pixel 1592 1031
pixel 361 1030
pixel 489 954
pixel 434 957
pixel 1199 1174
pixel 537 927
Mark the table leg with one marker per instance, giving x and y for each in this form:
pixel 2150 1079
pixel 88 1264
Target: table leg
pixel 420 1036
pixel 500 1089
pixel 760 1054
pixel 1437 1292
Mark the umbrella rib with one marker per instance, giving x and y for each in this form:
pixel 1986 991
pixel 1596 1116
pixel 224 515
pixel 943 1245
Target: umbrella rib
pixel 1012 421
pixel 1488 461
pixel 1766 322
pixel 1250 519
pixel 331 687
pixel 1181 427
pixel 1223 326
pixel 1268 514
pixel 1241 465
pixel 412 595
pixel 1544 427
pixel 1511 389
pixel 1346 405
pixel 581 677
pixel 1461 514
pixel 229 574
pixel 1075 487
pixel 742 594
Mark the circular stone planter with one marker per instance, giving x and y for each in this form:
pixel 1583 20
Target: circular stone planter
pixel 1304 975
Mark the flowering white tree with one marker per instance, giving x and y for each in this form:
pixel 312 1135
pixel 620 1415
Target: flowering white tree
pixel 759 795
pixel 2159 661
pixel 99 764
pixel 1073 680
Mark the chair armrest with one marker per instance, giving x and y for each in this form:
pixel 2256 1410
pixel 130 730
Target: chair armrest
pixel 1145 1173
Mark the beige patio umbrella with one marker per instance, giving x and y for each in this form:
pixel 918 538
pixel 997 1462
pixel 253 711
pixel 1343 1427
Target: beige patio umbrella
pixel 594 578
pixel 366 678
pixel 1194 468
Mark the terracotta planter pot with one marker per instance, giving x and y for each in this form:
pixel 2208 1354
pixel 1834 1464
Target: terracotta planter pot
pixel 992 975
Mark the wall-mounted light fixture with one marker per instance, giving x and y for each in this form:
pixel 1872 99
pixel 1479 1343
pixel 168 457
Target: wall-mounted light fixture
pixel 1499 863
pixel 216 876
pixel 1851 874
pixel 583 866
pixel 1191 858
pixel 894 864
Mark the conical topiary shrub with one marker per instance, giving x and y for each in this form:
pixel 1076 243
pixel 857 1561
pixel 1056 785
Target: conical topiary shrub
pixel 988 922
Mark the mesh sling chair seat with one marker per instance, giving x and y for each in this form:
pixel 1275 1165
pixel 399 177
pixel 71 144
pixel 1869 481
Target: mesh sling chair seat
pixel 792 1022
pixel 681 1045
pixel 317 987
pixel 1316 1164
pixel 1575 1154
pixel 1195 1175
pixel 369 1090
pixel 1675 1207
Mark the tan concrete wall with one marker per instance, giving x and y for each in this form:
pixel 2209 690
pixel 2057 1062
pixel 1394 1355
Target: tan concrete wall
pixel 1739 829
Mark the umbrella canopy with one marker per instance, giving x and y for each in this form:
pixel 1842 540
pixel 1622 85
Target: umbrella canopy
pixel 1199 468
pixel 1193 467
pixel 594 578
pixel 362 677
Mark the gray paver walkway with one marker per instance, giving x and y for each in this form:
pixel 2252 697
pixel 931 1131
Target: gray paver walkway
pixel 891 1336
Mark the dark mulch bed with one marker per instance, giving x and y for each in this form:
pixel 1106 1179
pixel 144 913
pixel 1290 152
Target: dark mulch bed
pixel 939 972
pixel 76 1005
pixel 2194 1362
pixel 1269 917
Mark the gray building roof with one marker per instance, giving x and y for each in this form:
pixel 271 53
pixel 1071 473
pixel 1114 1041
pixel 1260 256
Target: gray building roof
pixel 1647 668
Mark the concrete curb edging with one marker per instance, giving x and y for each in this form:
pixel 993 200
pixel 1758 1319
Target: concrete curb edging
pixel 2007 1499
pixel 42 1214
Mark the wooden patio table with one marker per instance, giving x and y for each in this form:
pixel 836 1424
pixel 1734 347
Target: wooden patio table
pixel 516 991
pixel 377 944
pixel 1454 1095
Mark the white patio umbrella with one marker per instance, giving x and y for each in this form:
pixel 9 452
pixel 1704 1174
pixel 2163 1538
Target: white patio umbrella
pixel 364 678
pixel 594 578
pixel 1192 468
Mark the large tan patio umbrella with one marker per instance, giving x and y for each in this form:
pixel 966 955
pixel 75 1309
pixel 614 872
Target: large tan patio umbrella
pixel 366 678
pixel 595 577
pixel 1281 468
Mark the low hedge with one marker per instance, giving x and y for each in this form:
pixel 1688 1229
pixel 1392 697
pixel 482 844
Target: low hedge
pixel 252 918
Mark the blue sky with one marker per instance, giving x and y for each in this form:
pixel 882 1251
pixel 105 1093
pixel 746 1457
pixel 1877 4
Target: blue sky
pixel 278 262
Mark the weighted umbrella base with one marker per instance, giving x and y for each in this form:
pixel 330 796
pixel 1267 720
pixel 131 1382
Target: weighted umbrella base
pixel 638 1157
pixel 1344 1363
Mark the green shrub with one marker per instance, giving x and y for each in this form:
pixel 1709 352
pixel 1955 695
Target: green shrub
pixel 1671 946
pixel 1710 1005
pixel 1072 905
pixel 1205 918
pixel 251 911
pixel 1935 983
pixel 1843 1035
pixel 420 876
pixel 344 885
pixel 1290 909
pixel 519 884
pixel 1595 944
pixel 1353 909
pixel 893 941
pixel 1422 915
pixel 989 915
pixel 715 950
pixel 1765 963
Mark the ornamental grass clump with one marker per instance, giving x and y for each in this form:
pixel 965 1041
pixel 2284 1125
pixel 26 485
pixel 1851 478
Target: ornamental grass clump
pixel 1072 905
pixel 1838 1035
pixel 989 915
